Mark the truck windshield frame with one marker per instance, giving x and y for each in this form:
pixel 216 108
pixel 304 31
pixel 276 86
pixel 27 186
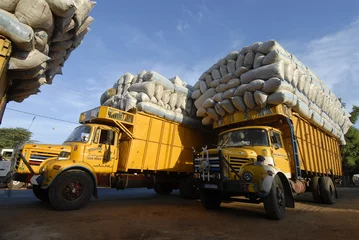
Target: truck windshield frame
pixel 244 137
pixel 80 134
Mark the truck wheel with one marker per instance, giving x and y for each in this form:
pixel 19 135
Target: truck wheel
pixel 210 199
pixel 316 190
pixel 327 190
pixel 71 190
pixel 17 184
pixel 41 194
pixel 274 202
pixel 187 188
pixel 163 188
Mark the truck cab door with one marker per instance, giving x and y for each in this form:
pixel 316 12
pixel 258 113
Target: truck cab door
pixel 279 153
pixel 102 156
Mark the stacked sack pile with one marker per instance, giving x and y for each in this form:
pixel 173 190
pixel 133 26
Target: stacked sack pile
pixel 153 93
pixel 266 74
pixel 43 35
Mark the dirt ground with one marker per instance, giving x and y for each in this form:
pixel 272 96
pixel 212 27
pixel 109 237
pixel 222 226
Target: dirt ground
pixel 145 215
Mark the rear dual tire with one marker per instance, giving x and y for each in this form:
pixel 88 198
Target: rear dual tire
pixel 323 190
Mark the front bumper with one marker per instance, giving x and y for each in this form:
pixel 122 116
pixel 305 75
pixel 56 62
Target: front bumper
pixel 238 187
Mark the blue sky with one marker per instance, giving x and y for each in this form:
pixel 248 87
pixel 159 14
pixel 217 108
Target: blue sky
pixel 185 38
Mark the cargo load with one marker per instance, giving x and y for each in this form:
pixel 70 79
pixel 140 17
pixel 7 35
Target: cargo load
pixel 43 34
pixel 155 94
pixel 262 74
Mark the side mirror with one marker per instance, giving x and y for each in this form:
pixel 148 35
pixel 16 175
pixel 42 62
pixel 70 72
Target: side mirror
pixel 110 137
pixel 276 146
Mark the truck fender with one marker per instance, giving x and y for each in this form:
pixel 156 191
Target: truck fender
pixel 289 199
pixel 87 169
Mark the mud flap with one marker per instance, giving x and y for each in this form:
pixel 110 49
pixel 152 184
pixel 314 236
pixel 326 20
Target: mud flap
pixel 289 199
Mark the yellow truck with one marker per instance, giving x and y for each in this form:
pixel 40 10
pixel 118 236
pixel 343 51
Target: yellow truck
pixel 117 149
pixel 268 155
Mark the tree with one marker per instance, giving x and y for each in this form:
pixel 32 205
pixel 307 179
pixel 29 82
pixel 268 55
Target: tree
pixel 10 137
pixel 350 152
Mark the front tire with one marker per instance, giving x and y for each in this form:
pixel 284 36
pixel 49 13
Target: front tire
pixel 210 199
pixel 274 202
pixel 187 188
pixel 71 190
pixel 41 194
pixel 163 188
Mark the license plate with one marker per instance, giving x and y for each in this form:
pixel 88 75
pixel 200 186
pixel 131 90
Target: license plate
pixel 210 186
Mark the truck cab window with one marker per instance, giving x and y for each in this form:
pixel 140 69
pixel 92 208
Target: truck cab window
pixel 276 139
pixel 104 135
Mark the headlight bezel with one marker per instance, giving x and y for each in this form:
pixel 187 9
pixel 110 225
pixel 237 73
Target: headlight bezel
pixel 248 176
pixel 63 155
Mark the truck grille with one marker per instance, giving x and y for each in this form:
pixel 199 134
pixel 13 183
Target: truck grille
pixel 237 163
pixel 214 164
pixel 36 158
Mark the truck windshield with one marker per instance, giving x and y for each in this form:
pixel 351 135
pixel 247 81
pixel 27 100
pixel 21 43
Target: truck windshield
pixel 245 137
pixel 80 134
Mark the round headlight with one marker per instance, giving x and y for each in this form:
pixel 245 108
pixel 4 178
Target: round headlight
pixel 42 169
pixel 248 176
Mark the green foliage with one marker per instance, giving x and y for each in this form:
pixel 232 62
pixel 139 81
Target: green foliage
pixel 350 152
pixel 10 137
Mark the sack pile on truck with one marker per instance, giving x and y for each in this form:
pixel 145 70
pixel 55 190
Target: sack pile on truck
pixel 155 94
pixel 262 74
pixel 43 34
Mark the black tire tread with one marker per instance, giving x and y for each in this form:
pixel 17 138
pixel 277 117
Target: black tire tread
pixel 271 206
pixel 55 190
pixel 210 199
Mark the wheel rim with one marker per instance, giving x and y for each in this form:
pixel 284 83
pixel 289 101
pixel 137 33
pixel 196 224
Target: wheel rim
pixel 73 191
pixel 280 196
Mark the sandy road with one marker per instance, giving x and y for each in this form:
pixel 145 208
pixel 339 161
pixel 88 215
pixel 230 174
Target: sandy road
pixel 141 214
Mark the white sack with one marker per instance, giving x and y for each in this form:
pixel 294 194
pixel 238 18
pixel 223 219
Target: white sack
pixel 211 112
pixel 208 103
pixel 303 109
pixel 21 34
pixel 158 92
pixel 202 86
pixel 265 72
pixel 284 97
pixel 240 61
pixel 276 84
pixel 146 87
pixel 240 90
pixel 249 59
pixel 142 97
pixel 260 98
pixel 8 5
pixel 20 60
pixel 201 112
pixel 207 120
pixel 258 58
pixel 238 102
pixel 233 83
pixel 216 74
pixel 196 94
pixel 214 83
pixel 249 100
pixel 218 97
pixel 220 110
pixel 255 85
pixel 221 87
pixel 223 69
pixel 227 105
pixel 151 108
pixel 208 94
pixel 231 66
pixel 36 14
pixel 158 79
pixel 229 93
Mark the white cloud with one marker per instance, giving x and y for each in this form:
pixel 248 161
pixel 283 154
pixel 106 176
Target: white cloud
pixel 334 58
pixel 182 26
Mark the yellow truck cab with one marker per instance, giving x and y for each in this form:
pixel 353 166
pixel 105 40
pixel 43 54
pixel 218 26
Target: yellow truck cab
pixel 268 155
pixel 118 149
